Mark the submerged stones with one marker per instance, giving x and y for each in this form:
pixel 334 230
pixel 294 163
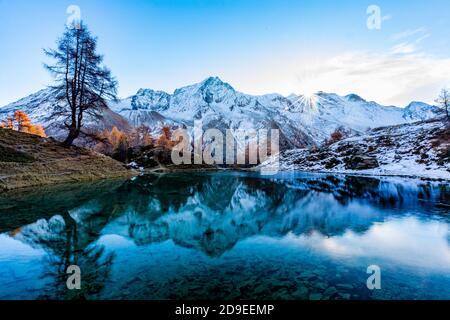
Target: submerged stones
pixel 301 293
pixel 315 296
pixel 330 291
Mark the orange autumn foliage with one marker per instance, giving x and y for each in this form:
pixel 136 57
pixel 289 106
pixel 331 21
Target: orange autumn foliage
pixel 337 135
pixel 109 140
pixel 37 130
pixel 21 122
pixel 116 136
pixel 114 140
pixel 165 140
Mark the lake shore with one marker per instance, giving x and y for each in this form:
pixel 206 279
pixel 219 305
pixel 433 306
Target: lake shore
pixel 417 150
pixel 442 176
pixel 30 161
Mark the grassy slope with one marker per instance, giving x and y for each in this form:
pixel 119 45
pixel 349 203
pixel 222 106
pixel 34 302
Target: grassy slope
pixel 27 160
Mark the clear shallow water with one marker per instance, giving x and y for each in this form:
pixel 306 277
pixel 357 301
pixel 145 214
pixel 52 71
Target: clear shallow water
pixel 228 236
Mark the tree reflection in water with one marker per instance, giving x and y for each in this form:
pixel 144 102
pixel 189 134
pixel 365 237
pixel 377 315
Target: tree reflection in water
pixel 207 212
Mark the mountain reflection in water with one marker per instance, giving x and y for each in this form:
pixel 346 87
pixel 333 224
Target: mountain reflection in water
pixel 228 235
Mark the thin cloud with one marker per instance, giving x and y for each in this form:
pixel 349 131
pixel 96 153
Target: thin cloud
pixel 393 78
pixel 410 46
pixel 404 48
pixel 408 33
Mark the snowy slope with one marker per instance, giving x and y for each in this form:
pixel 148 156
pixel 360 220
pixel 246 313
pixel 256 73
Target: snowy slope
pixel 420 149
pixel 324 112
pixel 40 105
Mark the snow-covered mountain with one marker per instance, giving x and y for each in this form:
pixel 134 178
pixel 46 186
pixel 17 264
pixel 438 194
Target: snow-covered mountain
pixel 322 113
pixel 303 121
pixel 300 119
pixel 40 105
pixel 217 104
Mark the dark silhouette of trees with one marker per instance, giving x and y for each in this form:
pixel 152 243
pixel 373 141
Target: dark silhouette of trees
pixel 82 84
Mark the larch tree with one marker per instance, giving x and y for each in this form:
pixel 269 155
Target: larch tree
pixel 37 130
pixel 115 137
pixel 83 85
pixel 444 101
pixel 22 121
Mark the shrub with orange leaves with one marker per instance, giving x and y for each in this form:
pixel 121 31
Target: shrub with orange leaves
pixel 37 130
pixel 21 122
pixel 337 135
pixel 110 141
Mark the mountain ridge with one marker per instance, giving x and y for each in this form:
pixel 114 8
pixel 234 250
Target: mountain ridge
pixel 302 120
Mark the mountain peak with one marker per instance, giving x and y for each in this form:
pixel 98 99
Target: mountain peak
pixel 148 99
pixel 418 106
pixel 212 79
pixel 144 91
pixel 415 104
pixel 212 82
pixel 354 97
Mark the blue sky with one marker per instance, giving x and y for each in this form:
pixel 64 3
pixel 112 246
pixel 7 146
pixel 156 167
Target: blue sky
pixel 258 47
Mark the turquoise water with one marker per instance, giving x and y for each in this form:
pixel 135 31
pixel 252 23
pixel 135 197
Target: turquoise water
pixel 228 235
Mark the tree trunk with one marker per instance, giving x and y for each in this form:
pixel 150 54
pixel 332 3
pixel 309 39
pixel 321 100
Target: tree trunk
pixel 73 134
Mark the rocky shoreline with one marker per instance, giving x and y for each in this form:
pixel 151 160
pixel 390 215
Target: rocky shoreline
pixel 418 150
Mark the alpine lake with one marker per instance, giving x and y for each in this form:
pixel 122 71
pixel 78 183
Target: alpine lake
pixel 228 235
